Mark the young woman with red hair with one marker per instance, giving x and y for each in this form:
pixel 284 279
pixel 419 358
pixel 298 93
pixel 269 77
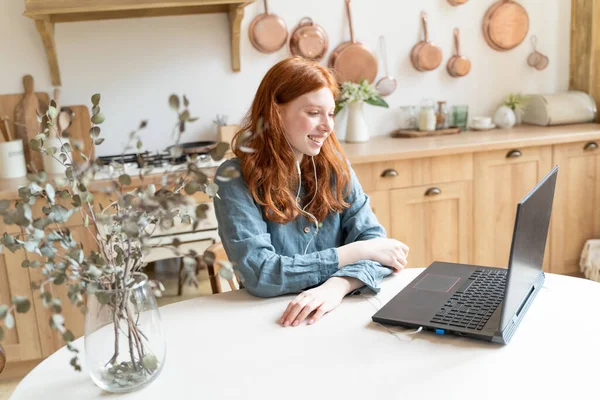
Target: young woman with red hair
pixel 297 219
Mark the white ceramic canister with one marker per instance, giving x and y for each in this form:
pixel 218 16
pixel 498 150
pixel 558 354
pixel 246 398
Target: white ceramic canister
pixel 12 160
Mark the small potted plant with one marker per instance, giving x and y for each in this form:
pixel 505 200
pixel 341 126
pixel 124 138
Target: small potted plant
pixel 354 95
pixel 517 103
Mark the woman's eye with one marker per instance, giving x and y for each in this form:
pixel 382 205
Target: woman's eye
pixel 313 113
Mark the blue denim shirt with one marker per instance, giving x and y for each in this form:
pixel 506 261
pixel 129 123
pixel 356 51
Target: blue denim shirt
pixel 269 256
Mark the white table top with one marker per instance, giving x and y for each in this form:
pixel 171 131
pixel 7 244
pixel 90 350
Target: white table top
pixel 230 346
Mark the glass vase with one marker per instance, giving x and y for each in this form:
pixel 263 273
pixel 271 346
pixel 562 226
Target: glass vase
pixel 125 346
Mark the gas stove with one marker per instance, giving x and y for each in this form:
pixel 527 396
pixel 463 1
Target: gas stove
pixel 148 163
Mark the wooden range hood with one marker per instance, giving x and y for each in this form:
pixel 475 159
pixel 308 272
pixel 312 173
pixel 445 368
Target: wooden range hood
pixel 48 12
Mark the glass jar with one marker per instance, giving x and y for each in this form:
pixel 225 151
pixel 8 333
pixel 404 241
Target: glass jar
pixel 442 120
pixel 427 116
pixel 460 116
pixel 125 347
pixel 407 118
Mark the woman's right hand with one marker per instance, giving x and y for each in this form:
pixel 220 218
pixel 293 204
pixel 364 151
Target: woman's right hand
pixel 390 253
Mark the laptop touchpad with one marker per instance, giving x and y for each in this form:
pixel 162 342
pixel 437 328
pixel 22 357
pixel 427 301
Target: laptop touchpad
pixel 437 283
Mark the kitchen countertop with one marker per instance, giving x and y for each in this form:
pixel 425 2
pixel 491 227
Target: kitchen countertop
pixel 386 148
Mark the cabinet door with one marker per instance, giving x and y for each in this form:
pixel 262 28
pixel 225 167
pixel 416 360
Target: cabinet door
pixel 380 204
pixel 50 339
pixel 22 342
pixel 501 179
pixel 576 209
pixel 434 221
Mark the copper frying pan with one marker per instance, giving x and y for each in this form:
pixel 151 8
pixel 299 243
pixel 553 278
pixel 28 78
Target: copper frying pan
pixel 353 61
pixel 309 40
pixel 505 25
pixel 458 65
pixel 268 32
pixel 425 55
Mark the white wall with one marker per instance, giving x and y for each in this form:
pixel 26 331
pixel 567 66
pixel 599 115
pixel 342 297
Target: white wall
pixel 137 63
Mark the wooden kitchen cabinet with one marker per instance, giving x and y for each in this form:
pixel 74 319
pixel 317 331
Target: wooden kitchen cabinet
pixel 434 221
pixel 21 343
pixel 576 208
pixel 501 179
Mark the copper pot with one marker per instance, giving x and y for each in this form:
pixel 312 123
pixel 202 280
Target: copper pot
pixel 505 25
pixel 353 61
pixel 458 65
pixel 267 32
pixel 309 40
pixel 425 55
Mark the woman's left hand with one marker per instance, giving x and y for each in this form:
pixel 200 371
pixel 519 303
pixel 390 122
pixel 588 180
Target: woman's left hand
pixel 319 301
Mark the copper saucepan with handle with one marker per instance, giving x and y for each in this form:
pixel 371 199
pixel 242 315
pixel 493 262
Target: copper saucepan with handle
pixel 458 65
pixel 505 25
pixel 309 40
pixel 268 32
pixel 425 55
pixel 353 61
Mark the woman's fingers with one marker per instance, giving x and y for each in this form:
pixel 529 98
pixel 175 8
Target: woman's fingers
pixel 318 314
pixel 293 309
pixel 309 308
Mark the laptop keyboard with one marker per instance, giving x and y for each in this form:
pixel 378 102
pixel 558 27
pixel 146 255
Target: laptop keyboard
pixel 473 307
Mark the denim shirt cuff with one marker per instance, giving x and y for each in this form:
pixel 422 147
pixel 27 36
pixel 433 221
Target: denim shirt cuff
pixel 329 262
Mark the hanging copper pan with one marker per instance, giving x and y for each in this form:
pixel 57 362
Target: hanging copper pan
pixel 353 61
pixel 425 55
pixel 458 65
pixel 505 25
pixel 268 32
pixel 309 40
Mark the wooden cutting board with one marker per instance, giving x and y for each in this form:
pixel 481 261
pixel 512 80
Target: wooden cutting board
pixel 25 122
pixel 80 130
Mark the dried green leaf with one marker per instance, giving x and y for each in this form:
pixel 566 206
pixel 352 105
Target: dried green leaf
pixel 68 336
pixel 21 304
pixel 99 141
pixel 184 115
pixel 98 118
pixel 143 124
pixel 52 111
pixel 218 152
pixel 9 321
pixel 212 189
pixel 96 99
pixel 95 132
pixel 35 145
pixel 174 102
pixel 186 102
pixel 150 362
pixel 125 179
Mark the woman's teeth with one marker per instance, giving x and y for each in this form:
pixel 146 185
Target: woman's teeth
pixel 316 140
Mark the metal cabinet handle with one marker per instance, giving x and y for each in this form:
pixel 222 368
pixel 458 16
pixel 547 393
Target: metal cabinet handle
pixel 514 154
pixel 388 173
pixel 433 191
pixel 591 146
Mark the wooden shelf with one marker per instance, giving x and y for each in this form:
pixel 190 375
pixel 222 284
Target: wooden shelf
pixel 48 12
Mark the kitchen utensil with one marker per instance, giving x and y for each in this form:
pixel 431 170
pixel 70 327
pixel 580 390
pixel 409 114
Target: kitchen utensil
pixel 505 25
pixel 268 32
pixel 536 59
pixel 26 123
pixel 353 61
pixel 457 2
pixel 55 130
pixel 411 133
pixel 309 40
pixel 386 85
pixel 64 121
pixel 6 129
pixel 425 55
pixel 458 65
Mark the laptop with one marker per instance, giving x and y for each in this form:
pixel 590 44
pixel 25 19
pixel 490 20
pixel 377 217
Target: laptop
pixel 481 302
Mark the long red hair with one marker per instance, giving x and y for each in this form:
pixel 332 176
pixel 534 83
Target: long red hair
pixel 268 163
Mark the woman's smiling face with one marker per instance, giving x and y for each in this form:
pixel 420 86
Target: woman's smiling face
pixel 308 121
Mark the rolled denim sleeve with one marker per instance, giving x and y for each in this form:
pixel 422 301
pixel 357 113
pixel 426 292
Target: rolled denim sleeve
pixel 247 243
pixel 360 223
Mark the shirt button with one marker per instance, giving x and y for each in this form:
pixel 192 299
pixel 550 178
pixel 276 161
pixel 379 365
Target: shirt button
pixel 306 230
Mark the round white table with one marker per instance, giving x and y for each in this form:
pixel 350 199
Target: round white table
pixel 230 346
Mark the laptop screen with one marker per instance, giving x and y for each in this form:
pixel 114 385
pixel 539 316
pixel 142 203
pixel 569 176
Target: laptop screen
pixel 528 245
